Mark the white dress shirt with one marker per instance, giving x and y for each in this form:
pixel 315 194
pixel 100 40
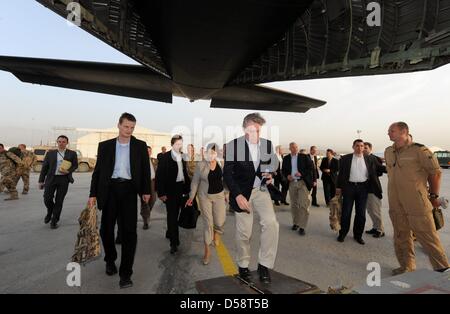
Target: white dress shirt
pixel 152 170
pixel 358 170
pixel 179 159
pixel 280 160
pixel 254 153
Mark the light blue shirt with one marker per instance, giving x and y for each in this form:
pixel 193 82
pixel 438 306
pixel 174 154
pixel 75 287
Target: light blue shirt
pixel 294 165
pixel 122 163
pixel 59 159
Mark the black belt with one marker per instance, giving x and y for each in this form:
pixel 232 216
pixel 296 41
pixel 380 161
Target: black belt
pixel 358 183
pixel 120 180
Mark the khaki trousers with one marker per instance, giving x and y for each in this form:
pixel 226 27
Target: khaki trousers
pixel 213 212
pixel 147 208
pixel 260 203
pixel 412 212
pixel 374 210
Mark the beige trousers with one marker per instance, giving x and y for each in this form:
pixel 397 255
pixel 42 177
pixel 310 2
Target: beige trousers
pixel 212 207
pixel 260 203
pixel 300 203
pixel 374 210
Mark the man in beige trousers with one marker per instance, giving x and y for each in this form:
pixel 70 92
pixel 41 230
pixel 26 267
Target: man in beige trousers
pixel 299 170
pixel 249 164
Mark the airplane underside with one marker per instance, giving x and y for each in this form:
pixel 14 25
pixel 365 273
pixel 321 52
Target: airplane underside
pixel 223 50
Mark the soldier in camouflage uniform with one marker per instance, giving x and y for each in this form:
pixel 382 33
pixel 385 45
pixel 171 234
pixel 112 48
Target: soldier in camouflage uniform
pixel 28 159
pixel 8 163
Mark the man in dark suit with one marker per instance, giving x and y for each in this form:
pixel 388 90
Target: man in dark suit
pixel 56 179
pixel 330 168
pixel 357 173
pixel 163 151
pixel 299 170
pixel 375 195
pixel 249 164
pixel 280 180
pixel 121 174
pixel 313 155
pixel 173 186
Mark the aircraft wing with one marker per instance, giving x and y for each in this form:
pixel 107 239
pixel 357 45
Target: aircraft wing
pixel 140 82
pixel 108 78
pixel 254 97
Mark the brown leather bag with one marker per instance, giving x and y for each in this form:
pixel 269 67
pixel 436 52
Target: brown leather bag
pixel 438 217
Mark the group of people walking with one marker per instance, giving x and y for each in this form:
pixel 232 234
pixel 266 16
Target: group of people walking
pixel 244 179
pixel 249 165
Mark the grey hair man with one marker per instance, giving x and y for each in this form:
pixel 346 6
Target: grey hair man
pixel 249 164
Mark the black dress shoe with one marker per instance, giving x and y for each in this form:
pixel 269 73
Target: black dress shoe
pixel 301 231
pixel 360 241
pixel 372 231
pixel 47 218
pixel 286 203
pixel 173 249
pixel 54 225
pixel 145 227
pixel 111 268
pixel 264 275
pixel 340 238
pixel 294 227
pixel 245 274
pixel 277 203
pixel 125 282
pixel 379 234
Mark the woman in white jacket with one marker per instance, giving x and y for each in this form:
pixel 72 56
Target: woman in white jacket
pixel 208 184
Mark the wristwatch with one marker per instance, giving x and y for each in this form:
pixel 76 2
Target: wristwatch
pixel 434 196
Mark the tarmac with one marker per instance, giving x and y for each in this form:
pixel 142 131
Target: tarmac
pixel 34 258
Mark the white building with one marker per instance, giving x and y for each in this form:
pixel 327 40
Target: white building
pixel 88 143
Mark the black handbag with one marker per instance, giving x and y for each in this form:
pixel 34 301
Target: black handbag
pixel 188 215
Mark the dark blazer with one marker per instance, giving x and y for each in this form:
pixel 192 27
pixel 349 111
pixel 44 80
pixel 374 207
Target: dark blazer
pixel 305 167
pixel 239 171
pixel 333 165
pixel 316 168
pixel 104 168
pixel 373 169
pixel 49 165
pixel 375 186
pixel 166 176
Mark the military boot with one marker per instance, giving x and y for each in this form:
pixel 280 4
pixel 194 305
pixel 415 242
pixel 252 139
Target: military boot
pixel 401 270
pixel 12 196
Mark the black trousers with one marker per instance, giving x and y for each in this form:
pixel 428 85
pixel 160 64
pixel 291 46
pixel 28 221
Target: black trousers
pixel 54 203
pixel 314 195
pixel 354 194
pixel 329 190
pixel 284 187
pixel 175 202
pixel 121 207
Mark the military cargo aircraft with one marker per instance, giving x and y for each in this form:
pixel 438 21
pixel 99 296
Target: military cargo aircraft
pixel 224 49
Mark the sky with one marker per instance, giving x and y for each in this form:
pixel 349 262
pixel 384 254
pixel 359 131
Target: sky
pixel 369 104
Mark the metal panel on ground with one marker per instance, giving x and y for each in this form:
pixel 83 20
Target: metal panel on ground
pixel 281 284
